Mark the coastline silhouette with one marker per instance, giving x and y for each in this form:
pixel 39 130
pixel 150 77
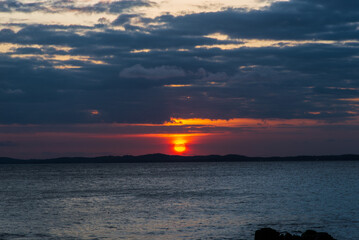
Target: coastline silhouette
pixel 149 158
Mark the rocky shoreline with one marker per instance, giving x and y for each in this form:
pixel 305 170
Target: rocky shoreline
pixel 271 234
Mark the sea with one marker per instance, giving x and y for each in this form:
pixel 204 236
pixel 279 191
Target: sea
pixel 229 200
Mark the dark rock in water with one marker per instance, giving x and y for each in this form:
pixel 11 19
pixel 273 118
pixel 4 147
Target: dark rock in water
pixel 313 235
pixel 266 234
pixel 289 236
pixel 271 234
pixel 324 236
pixel 309 235
pixel 295 237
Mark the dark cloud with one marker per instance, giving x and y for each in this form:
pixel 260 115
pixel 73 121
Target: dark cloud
pixel 7 144
pixel 296 19
pixel 124 19
pixel 118 6
pixel 286 81
pixel 58 6
pixel 162 72
pixel 14 5
pixel 28 50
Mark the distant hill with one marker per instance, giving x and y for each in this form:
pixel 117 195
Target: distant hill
pixel 151 158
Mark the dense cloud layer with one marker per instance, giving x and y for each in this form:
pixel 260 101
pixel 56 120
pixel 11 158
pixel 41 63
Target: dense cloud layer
pixel 294 20
pixel 143 70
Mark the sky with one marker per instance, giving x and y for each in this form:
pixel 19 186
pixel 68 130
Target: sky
pixel 249 77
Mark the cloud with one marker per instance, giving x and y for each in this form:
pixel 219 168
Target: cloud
pixel 126 74
pixel 296 19
pixel 7 144
pixel 125 19
pixel 13 5
pixel 59 6
pixel 162 72
pixel 118 6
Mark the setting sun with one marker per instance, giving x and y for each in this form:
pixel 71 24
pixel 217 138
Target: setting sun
pixel 179 145
pixel 179 148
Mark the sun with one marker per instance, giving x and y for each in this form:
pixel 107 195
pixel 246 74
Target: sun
pixel 179 146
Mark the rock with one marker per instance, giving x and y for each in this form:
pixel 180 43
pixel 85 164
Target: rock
pixel 309 235
pixel 271 234
pixel 289 236
pixel 266 234
pixel 295 237
pixel 323 236
pixel 313 235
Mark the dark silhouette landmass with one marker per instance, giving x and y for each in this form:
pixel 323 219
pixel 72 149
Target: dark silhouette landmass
pixel 152 158
pixel 271 234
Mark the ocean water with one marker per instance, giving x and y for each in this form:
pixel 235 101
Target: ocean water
pixel 178 200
